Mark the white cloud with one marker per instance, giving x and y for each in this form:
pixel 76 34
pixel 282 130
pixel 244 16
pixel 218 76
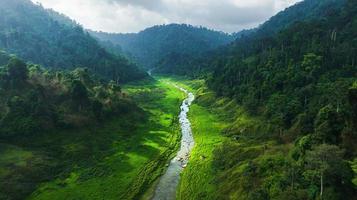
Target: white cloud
pixel 135 15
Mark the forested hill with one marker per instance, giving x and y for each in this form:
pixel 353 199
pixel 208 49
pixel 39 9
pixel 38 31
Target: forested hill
pixel 303 80
pixel 298 74
pixel 186 64
pixel 302 11
pixel 47 111
pixel 35 100
pixel 302 57
pixel 53 40
pixel 151 45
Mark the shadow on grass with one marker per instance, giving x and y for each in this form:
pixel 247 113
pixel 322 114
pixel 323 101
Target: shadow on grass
pixel 101 150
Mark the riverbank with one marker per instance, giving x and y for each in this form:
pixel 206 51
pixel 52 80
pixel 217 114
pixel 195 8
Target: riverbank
pixel 197 179
pixel 219 159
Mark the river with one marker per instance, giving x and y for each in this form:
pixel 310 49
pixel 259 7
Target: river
pixel 166 188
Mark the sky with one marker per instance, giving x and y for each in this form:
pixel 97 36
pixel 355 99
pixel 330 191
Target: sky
pixel 127 16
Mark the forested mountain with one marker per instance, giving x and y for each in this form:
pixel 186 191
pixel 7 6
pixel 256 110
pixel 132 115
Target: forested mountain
pixel 53 40
pixel 151 45
pixel 300 63
pixel 302 11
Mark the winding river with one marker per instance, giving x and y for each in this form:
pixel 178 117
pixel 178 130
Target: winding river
pixel 166 188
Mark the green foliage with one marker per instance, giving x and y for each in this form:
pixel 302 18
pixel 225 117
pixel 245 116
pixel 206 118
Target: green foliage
pixel 352 97
pixel 302 11
pixel 97 108
pixel 4 58
pixel 292 79
pixel 151 45
pixel 35 100
pixel 184 63
pixel 328 125
pixel 79 94
pixel 120 158
pixel 325 166
pixel 300 77
pixel 298 72
pixel 52 40
pixel 18 119
pixel 109 148
pixel 311 63
pixel 17 70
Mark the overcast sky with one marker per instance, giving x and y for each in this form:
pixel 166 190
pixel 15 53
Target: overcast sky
pixel 135 15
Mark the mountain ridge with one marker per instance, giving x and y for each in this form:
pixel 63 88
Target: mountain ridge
pixel 51 39
pixel 149 46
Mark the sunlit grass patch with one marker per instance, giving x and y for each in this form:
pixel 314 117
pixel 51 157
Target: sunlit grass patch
pixel 197 181
pixel 136 154
pixel 354 167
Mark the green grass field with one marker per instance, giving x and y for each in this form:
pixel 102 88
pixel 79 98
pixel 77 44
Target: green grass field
pixel 197 180
pixel 138 158
pixel 119 159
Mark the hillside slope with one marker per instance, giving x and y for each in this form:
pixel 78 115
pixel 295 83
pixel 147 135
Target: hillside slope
pixel 52 40
pixel 149 46
pixel 302 11
pixel 39 109
pixel 301 63
pixel 186 64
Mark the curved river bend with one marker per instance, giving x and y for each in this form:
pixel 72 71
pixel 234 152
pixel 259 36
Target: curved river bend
pixel 166 189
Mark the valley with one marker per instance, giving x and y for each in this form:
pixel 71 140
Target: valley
pixel 233 107
pixel 121 159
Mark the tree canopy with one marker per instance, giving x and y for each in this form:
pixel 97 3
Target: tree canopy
pixel 48 38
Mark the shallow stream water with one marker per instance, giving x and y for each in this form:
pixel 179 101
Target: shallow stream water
pixel 166 188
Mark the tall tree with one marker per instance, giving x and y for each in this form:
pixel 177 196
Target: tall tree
pixel 17 72
pixel 323 159
pixel 79 94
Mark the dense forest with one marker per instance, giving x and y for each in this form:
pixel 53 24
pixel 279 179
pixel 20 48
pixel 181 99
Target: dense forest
pixel 296 75
pixel 151 45
pixel 52 40
pixel 202 65
pixel 36 100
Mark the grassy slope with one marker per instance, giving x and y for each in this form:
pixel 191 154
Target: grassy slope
pixel 197 181
pixel 118 160
pixel 228 143
pixel 212 119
